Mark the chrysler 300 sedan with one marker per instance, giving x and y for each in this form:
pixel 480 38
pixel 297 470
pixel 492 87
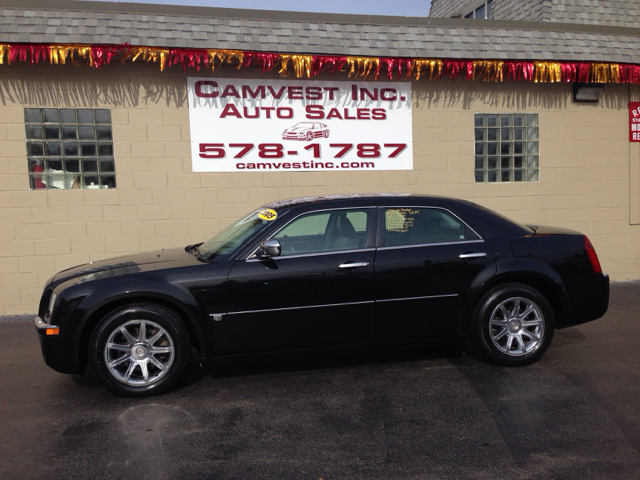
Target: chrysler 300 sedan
pixel 324 275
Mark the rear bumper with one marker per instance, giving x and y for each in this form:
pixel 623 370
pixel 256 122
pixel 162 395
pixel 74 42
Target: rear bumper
pixel 589 299
pixel 57 350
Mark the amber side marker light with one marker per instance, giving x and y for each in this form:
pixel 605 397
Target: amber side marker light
pixel 593 256
pixel 52 331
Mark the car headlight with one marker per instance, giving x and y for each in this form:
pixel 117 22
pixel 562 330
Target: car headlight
pixel 52 302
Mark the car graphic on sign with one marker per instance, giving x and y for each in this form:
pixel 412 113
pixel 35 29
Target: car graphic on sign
pixel 306 131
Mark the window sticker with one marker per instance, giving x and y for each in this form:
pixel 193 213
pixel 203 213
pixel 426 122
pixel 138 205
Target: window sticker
pixel 268 214
pixel 399 219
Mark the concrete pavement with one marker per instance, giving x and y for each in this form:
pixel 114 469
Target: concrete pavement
pixel 435 414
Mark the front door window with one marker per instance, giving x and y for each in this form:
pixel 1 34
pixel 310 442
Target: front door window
pixel 324 232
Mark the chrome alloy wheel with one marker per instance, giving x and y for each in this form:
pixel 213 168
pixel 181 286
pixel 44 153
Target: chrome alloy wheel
pixel 139 352
pixel 517 326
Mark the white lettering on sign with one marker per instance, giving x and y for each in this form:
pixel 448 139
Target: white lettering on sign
pixel 240 125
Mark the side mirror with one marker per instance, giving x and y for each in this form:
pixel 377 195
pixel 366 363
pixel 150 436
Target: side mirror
pixel 270 248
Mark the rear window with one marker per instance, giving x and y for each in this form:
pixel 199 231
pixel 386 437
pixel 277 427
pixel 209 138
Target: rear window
pixel 506 219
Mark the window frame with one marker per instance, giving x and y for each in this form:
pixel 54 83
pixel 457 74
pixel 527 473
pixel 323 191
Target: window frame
pixel 506 165
pixel 488 8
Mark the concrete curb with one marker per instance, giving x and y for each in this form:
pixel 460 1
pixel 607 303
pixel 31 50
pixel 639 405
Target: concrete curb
pixel 17 318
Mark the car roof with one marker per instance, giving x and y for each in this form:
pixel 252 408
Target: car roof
pixel 482 220
pixel 479 217
pixel 293 202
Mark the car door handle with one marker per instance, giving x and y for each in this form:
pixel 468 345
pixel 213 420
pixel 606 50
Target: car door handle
pixel 353 265
pixel 473 255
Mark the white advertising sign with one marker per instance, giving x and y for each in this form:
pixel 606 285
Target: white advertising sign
pixel 243 125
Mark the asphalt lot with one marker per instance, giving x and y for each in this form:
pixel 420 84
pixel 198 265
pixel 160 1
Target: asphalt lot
pixel 435 414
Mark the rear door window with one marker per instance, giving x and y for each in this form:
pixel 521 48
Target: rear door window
pixel 423 226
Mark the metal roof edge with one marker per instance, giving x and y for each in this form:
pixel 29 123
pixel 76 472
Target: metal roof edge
pixel 312 17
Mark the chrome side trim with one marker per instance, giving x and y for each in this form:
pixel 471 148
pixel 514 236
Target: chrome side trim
pixel 300 308
pixel 464 242
pixel 315 254
pixel 417 298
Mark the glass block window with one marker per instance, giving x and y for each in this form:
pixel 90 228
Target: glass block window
pixel 506 148
pixel 69 148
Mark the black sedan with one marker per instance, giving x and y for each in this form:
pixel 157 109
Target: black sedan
pixel 324 275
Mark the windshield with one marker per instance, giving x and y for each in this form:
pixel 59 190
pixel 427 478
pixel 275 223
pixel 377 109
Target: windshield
pixel 303 125
pixel 230 238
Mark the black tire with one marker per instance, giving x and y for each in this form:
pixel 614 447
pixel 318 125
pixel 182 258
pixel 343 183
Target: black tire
pixel 139 362
pixel 505 333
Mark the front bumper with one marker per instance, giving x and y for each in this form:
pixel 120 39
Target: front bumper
pixel 43 328
pixel 57 348
pixel 293 136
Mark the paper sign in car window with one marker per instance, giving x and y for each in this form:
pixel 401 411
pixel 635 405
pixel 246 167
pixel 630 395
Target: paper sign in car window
pixel 399 219
pixel 268 214
pixel 394 220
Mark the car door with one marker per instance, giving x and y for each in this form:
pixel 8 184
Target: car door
pixel 426 260
pixel 317 293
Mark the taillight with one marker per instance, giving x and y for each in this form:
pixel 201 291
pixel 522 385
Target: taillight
pixel 593 256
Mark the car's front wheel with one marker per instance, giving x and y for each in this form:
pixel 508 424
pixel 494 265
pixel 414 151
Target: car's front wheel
pixel 512 325
pixel 139 350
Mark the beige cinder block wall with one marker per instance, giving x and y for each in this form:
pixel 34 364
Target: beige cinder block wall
pixel 589 171
pixel 159 202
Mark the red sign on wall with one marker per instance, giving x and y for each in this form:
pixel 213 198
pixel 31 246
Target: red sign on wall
pixel 634 121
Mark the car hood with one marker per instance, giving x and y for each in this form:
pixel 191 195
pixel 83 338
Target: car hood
pixel 297 129
pixel 138 262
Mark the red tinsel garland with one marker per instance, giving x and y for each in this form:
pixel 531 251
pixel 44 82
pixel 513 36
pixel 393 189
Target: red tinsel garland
pixel 187 58
pixel 268 61
pixel 326 63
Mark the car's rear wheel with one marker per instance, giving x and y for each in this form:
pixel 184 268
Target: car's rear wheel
pixel 512 325
pixel 326 133
pixel 139 350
